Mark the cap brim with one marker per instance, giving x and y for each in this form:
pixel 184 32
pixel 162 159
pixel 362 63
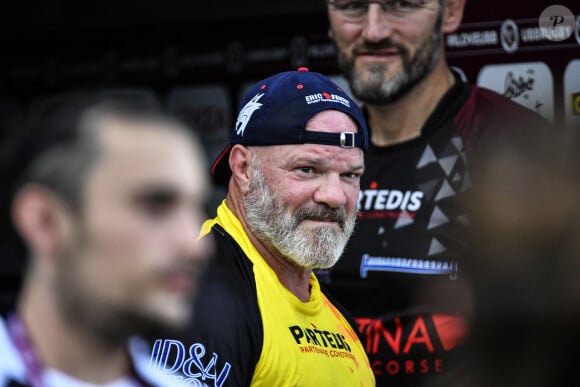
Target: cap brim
pixel 220 169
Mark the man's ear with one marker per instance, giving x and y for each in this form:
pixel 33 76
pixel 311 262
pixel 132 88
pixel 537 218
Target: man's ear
pixel 452 15
pixel 41 219
pixel 241 165
pixel 330 33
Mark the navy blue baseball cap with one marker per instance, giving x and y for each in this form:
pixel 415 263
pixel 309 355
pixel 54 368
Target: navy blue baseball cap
pixel 275 111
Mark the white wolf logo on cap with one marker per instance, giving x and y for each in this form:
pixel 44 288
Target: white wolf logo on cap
pixel 246 113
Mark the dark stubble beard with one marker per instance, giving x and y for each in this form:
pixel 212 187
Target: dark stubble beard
pixel 113 323
pixel 314 248
pixel 375 87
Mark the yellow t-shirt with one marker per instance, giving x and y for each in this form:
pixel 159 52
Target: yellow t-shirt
pixel 299 343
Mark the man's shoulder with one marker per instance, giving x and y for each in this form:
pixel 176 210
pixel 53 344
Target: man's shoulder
pixel 488 101
pixel 488 113
pixel 230 270
pixel 227 301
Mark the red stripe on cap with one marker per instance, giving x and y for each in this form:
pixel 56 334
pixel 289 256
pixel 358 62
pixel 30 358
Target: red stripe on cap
pixel 305 69
pixel 219 158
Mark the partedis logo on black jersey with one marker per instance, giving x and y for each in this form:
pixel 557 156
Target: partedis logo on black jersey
pixel 376 203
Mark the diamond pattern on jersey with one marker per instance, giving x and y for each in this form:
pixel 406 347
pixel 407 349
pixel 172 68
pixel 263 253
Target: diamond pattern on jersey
pixel 437 218
pixel 458 142
pixel 436 247
pixel 452 180
pixel 445 191
pixel 404 220
pixel 427 158
pixel 448 163
pixel 428 188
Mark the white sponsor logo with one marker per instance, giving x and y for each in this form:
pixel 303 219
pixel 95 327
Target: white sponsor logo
pixel 529 84
pixel 384 200
pixel 190 365
pixel 510 36
pixel 472 39
pixel 326 97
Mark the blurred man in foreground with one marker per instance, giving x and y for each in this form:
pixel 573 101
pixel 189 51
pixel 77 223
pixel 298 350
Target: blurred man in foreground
pixel 103 197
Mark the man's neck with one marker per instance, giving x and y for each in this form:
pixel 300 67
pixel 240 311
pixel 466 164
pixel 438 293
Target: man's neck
pixel 67 347
pixel 403 119
pixel 294 278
